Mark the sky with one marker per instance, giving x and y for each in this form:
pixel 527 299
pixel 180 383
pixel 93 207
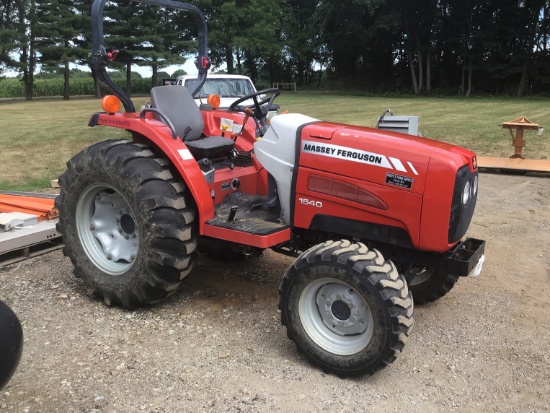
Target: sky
pixel 188 66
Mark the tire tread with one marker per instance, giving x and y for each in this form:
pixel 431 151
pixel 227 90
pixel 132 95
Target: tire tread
pixel 383 275
pixel 163 202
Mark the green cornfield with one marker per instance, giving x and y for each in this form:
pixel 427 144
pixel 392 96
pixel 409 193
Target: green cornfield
pixel 14 88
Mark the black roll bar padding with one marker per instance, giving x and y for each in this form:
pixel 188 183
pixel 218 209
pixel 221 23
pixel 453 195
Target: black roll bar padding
pixel 99 53
pixel 164 118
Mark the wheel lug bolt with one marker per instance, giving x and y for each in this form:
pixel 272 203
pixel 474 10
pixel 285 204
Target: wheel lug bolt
pixel 117 220
pixel 132 258
pixel 98 197
pixel 109 257
pixel 126 236
pixel 92 227
pixel 120 230
pixel 133 236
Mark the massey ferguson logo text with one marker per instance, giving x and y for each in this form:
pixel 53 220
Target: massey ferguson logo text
pixel 114 122
pixel 342 152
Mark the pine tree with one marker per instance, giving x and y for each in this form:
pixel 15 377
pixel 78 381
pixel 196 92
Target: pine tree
pixel 25 43
pixel 8 34
pixel 159 45
pixel 57 31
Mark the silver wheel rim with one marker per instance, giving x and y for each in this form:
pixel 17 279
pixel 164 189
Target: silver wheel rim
pixel 107 229
pixel 422 276
pixel 336 316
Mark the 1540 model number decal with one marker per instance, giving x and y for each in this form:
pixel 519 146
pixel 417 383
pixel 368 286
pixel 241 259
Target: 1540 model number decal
pixel 310 202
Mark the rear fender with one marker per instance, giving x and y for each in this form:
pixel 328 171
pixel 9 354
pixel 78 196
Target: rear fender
pixel 154 133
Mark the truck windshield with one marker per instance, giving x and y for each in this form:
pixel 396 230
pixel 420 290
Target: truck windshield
pixel 222 87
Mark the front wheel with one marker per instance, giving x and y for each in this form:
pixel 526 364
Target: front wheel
pixel 346 308
pixel 127 222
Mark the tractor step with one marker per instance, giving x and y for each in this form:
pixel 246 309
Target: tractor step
pixel 248 213
pixel 249 220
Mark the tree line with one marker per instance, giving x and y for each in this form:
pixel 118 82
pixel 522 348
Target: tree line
pixel 404 46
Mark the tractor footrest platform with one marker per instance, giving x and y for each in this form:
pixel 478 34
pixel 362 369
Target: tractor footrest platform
pixel 250 214
pixel 249 220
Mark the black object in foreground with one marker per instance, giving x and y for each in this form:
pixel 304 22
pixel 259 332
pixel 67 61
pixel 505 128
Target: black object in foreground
pixel 11 343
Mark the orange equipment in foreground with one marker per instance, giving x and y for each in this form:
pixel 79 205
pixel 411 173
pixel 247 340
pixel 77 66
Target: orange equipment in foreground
pixel 517 162
pixel 43 207
pixel 21 236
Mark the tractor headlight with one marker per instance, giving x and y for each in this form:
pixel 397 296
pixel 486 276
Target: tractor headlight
pixel 463 203
pixel 466 193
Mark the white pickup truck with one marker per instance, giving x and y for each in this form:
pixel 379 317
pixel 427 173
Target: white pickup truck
pixel 228 87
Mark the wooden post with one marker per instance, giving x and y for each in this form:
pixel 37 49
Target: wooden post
pixel 519 125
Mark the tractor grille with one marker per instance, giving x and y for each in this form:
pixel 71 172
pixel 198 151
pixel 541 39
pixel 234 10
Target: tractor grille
pixel 461 214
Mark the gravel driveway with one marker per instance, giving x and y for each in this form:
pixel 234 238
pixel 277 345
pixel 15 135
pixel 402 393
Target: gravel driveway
pixel 217 344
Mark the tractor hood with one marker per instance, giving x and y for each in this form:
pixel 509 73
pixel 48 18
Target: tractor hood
pixel 382 157
pixel 306 156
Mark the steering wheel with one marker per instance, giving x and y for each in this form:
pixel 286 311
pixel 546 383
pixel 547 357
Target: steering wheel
pixel 260 106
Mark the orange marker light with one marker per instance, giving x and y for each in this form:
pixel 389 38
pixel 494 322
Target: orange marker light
pixel 110 104
pixel 213 100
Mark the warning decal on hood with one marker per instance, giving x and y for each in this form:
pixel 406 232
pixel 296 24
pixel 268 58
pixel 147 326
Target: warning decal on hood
pixel 343 152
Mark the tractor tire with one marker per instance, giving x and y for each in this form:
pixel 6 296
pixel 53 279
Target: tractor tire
pixel 346 308
pixel 127 222
pixel 429 285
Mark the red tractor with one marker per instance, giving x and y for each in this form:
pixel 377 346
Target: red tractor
pixel 376 219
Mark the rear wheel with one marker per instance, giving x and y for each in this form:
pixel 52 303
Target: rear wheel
pixel 429 284
pixel 128 224
pixel 346 308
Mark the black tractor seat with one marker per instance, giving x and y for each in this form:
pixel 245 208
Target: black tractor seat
pixel 177 104
pixel 210 147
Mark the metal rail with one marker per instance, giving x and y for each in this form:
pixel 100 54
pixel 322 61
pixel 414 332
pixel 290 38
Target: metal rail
pixel 26 242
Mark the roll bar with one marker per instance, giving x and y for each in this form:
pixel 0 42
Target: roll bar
pixel 100 55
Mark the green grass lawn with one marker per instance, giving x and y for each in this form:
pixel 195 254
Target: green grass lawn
pixel 472 123
pixel 37 138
